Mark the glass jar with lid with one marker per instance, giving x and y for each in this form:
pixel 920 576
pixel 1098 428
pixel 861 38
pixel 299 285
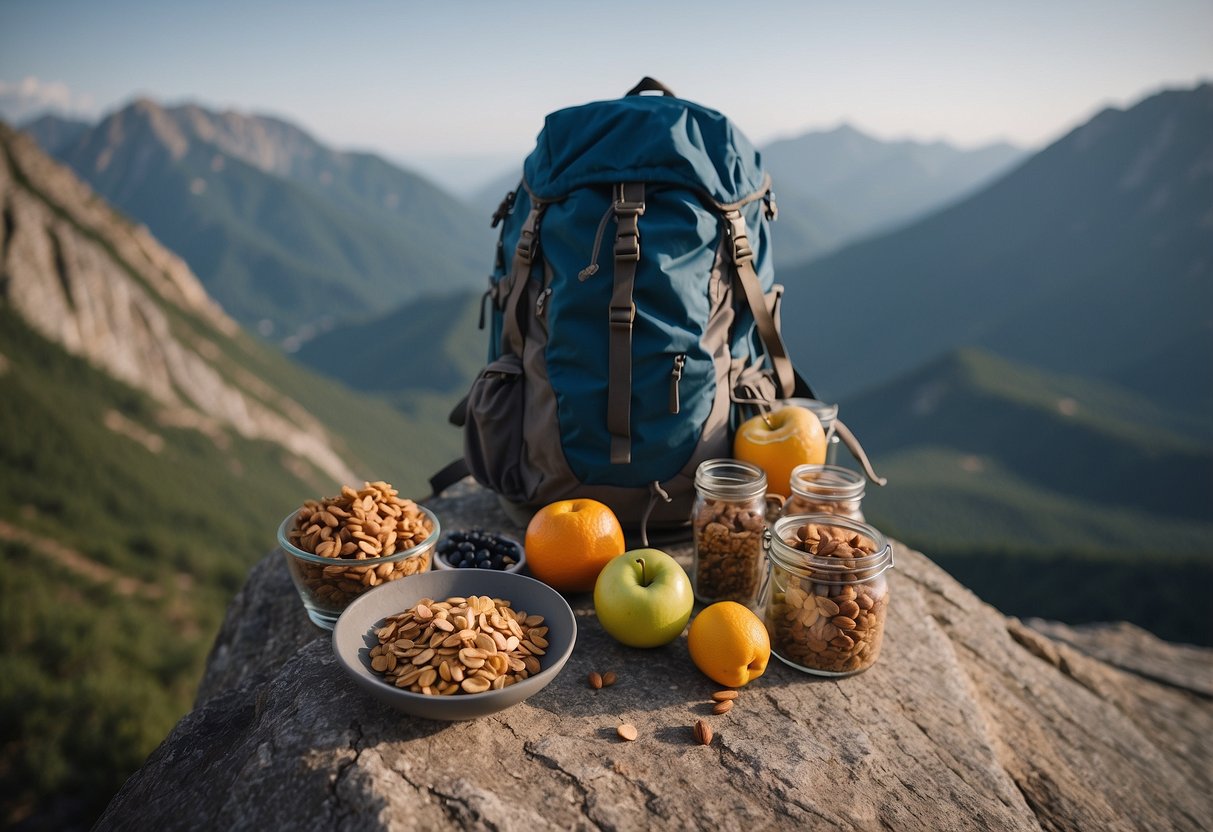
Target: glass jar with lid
pixel 826 489
pixel 827 596
pixel 728 521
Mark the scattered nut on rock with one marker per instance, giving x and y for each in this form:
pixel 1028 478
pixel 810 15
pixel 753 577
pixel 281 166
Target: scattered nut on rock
pixel 723 707
pixel 703 732
pixel 595 680
pixel 724 695
pixel 626 731
pixel 609 678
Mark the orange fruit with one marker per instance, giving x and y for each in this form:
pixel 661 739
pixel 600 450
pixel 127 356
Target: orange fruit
pixel 569 541
pixel 729 644
pixel 779 441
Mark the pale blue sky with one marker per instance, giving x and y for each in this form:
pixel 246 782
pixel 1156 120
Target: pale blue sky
pixel 423 80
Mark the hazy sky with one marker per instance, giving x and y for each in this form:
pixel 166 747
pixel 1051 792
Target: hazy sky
pixel 444 79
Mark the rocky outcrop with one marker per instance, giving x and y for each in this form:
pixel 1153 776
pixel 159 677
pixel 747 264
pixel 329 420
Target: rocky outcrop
pixel 104 289
pixel 968 720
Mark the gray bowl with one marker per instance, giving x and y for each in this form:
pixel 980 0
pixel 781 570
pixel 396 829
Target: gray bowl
pixel 354 636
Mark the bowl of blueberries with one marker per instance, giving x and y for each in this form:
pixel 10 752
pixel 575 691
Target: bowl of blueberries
pixel 479 549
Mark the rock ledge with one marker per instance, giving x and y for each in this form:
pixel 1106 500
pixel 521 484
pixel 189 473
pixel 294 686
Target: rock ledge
pixel 968 720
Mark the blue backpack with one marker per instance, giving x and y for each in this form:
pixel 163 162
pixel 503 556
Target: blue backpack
pixel 634 311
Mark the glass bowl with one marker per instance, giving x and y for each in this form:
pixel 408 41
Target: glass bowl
pixel 328 585
pixel 441 562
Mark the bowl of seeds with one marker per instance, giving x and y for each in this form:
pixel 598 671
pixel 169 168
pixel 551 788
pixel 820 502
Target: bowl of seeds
pixel 338 548
pixel 456 644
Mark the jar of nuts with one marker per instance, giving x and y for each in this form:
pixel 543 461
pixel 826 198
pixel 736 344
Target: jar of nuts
pixel 827 595
pixel 728 520
pixel 825 489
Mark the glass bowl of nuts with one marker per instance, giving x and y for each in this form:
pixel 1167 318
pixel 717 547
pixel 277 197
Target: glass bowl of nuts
pixel 340 547
pixel 456 644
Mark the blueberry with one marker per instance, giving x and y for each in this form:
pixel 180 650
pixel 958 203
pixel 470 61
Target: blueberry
pixel 467 546
pixel 498 561
pixel 483 564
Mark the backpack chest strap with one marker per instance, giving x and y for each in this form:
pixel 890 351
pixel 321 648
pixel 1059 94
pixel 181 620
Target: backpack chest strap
pixel 628 206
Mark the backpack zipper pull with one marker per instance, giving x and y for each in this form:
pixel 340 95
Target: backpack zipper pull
pixel 541 301
pixel 592 269
pixel 680 361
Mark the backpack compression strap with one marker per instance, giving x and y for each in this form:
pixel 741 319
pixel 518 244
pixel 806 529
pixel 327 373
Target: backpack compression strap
pixel 520 274
pixel 629 205
pixel 743 265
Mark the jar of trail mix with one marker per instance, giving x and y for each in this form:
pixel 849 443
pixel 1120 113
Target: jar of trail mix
pixel 827 596
pixel 728 520
pixel 825 489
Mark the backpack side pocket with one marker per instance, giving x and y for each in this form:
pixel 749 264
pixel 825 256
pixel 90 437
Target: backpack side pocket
pixel 492 436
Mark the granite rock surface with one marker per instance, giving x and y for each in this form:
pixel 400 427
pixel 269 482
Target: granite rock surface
pixel 969 720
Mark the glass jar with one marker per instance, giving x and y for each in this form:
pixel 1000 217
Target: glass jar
pixel 728 521
pixel 826 597
pixel 827 414
pixel 826 489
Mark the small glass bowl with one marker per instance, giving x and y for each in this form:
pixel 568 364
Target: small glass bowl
pixel 328 585
pixel 440 562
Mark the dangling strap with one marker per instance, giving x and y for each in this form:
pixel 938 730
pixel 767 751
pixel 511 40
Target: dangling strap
pixel 848 439
pixel 629 205
pixel 655 492
pixel 742 256
pixel 520 275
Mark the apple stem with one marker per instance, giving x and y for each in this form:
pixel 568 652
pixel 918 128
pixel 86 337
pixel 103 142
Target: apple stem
pixel 766 417
pixel 644 579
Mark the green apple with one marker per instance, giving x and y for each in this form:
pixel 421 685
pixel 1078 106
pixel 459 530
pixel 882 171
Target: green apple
pixel 643 598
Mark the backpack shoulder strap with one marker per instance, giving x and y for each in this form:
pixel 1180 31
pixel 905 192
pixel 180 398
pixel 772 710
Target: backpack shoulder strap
pixel 738 249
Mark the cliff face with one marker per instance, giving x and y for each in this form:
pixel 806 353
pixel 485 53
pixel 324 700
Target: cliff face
pixel 968 720
pixel 104 289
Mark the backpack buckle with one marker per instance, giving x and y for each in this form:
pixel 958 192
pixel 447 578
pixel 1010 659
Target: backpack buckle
pixel 528 244
pixel 504 208
pixel 627 247
pixel 623 316
pixel 738 239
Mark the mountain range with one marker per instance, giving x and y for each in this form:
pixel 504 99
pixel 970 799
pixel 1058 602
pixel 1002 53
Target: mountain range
pixel 1091 258
pixel 285 233
pixel 148 449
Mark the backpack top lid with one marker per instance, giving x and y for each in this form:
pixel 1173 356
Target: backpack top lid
pixel 643 138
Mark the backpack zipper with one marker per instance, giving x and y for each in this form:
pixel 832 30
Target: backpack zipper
pixel 680 361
